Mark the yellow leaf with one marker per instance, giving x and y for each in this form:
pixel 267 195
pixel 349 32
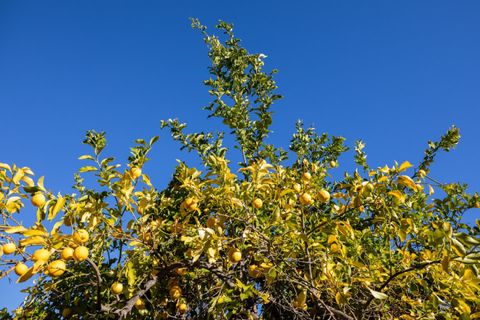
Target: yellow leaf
pixel 385 169
pixel 13 204
pixel 331 238
pixel 32 241
pixel 463 307
pixel 286 191
pixel 358 264
pixel 383 179
pixel 18 176
pixel 27 170
pixel 35 232
pixel 28 181
pixel 407 182
pixel 340 298
pixel 40 182
pixel 236 202
pixel 5 166
pixel 147 181
pixel 55 209
pixel 398 195
pixel 17 229
pixel 430 190
pixel 56 226
pixel 404 166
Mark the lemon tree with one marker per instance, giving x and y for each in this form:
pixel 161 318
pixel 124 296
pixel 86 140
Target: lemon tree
pixel 255 232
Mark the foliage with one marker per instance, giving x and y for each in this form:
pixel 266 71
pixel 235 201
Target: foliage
pixel 271 241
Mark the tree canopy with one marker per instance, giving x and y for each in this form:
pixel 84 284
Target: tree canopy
pixel 278 238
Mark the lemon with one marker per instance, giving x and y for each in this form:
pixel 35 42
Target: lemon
pixel 306 199
pixel 117 288
pixel 9 248
pixel 136 172
pixel 80 236
pixel 67 253
pixel 257 203
pixel 80 253
pixel 56 268
pixel 235 255
pixel 38 200
pixel 324 195
pixel 41 255
pixel 21 269
pixel 175 292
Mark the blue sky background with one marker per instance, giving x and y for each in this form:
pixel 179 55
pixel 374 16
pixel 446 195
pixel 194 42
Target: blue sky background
pixel 393 73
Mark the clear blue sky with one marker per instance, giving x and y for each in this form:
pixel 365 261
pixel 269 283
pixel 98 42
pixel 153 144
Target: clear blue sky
pixel 394 73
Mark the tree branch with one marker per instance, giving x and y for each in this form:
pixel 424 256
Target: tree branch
pixel 398 273
pixel 99 282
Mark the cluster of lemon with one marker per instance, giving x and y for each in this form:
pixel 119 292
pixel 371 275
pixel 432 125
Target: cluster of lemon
pixel 305 198
pixel 76 251
pixel 175 292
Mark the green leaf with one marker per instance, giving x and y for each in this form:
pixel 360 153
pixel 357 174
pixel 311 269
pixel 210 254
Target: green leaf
pixel 458 247
pixel 154 139
pixel 32 189
pixel 466 239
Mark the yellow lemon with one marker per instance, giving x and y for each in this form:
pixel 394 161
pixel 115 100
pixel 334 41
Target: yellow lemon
pixel 257 203
pixel 234 255
pixel 80 236
pixel 175 292
pixel 182 308
pixel 136 172
pixel 306 199
pixel 324 195
pixel 21 269
pixel 67 253
pixel 117 288
pixel 38 200
pixel 139 304
pixel 41 255
pixel 80 253
pixel 306 176
pixel 56 268
pixel 9 248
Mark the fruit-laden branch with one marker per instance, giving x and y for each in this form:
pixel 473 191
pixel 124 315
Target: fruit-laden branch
pixel 123 313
